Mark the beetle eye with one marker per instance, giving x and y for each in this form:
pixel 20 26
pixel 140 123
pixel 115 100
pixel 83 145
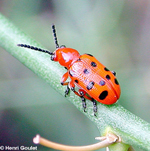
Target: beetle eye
pixel 62 46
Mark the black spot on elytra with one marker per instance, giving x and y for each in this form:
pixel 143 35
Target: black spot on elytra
pixel 106 69
pixel 107 77
pixel 86 71
pixel 114 73
pixel 103 95
pixel 90 85
pixel 102 82
pixel 93 64
pixel 116 81
pixel 76 81
pixel 89 54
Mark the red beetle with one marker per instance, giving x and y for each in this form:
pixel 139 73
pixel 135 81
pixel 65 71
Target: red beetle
pixel 94 80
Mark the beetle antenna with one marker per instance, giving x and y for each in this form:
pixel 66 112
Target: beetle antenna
pixel 42 50
pixel 55 36
pixel 35 48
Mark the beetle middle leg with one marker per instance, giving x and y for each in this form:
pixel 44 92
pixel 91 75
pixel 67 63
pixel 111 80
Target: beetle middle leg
pixel 83 96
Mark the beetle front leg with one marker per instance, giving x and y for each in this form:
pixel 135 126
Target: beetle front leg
pixel 67 91
pixel 63 82
pixel 64 78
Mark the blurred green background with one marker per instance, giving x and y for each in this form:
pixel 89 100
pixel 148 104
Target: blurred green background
pixel 116 32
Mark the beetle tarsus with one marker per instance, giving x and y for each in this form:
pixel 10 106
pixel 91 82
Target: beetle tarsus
pixel 94 107
pixel 67 91
pixel 83 103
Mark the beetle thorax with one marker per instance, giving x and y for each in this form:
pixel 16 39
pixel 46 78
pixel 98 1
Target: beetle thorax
pixel 66 56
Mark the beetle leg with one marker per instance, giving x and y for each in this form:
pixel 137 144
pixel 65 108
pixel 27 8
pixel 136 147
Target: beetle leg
pixel 67 91
pixel 94 106
pixel 83 103
pixel 63 82
pixel 64 78
pixel 71 85
pixel 82 93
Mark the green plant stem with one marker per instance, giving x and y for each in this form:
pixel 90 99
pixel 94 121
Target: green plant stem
pixel 118 147
pixel 112 118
